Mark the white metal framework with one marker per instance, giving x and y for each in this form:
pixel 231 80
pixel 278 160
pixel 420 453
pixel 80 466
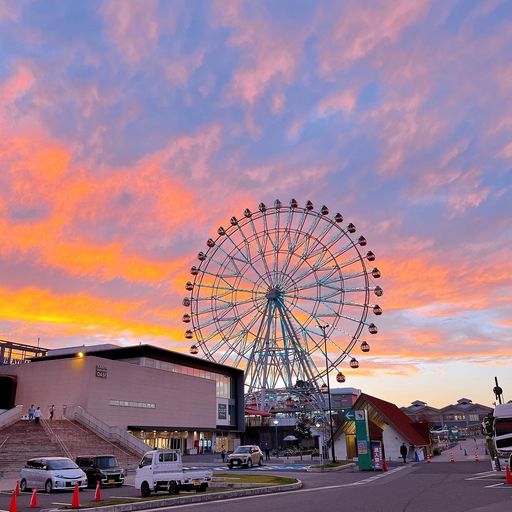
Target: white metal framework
pixel 267 288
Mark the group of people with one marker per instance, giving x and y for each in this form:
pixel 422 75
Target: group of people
pixel 34 414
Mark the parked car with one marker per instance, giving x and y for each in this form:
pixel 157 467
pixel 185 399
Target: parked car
pixel 246 455
pixel 104 469
pixel 52 473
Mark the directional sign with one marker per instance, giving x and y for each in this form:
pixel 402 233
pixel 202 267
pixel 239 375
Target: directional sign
pixel 360 416
pixel 349 415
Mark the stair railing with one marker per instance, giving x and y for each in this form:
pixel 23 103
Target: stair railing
pixel 115 434
pixel 55 438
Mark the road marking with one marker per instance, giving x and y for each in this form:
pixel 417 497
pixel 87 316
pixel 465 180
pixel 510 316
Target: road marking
pixel 124 498
pixel 297 491
pixel 59 503
pixel 493 485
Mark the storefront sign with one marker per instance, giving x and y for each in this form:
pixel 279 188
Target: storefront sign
pixel 222 412
pixel 362 447
pixel 101 371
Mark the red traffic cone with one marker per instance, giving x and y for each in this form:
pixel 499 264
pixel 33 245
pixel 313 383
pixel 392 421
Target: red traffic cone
pixel 33 500
pixel 451 457
pixel 97 493
pixel 476 458
pixel 75 502
pixel 384 465
pixel 12 506
pixel 508 475
pixel 17 489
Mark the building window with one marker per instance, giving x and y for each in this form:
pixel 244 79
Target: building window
pixel 129 403
pixel 474 417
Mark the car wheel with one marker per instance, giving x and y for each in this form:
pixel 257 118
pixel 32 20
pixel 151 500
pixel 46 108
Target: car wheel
pixel 230 465
pixel 145 490
pixel 23 485
pixel 202 487
pixel 260 463
pixel 48 486
pixel 249 463
pixel 174 488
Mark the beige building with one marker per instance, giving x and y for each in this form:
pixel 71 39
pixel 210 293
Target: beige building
pixel 166 398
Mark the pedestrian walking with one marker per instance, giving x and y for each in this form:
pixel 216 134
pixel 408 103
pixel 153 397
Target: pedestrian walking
pixel 403 452
pixel 267 452
pixel 31 413
pixel 223 454
pixel 37 415
pixel 52 410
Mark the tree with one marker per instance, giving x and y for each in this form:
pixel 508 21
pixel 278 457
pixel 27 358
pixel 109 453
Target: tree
pixel 303 426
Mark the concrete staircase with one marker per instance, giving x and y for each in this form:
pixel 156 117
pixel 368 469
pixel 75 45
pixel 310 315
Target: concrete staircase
pixel 22 441
pixel 60 438
pixel 81 441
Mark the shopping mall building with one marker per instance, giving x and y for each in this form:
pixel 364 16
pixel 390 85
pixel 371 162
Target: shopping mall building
pixel 168 399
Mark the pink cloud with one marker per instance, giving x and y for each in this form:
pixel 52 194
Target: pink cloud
pixel 133 27
pixel 341 101
pixel 360 28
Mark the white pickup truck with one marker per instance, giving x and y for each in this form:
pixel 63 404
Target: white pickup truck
pixel 162 470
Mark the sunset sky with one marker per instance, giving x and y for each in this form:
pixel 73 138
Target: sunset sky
pixel 131 130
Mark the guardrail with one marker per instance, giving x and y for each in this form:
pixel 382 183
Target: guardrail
pixel 115 434
pixel 11 416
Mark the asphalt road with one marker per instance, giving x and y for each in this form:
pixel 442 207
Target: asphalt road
pixel 439 487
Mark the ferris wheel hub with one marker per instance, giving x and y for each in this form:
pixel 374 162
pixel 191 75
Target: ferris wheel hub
pixel 274 293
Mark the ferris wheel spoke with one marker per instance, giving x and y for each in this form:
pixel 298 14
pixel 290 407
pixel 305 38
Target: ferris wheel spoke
pixel 293 244
pixel 261 252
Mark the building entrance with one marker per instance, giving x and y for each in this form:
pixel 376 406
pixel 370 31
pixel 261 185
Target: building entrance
pixel 7 391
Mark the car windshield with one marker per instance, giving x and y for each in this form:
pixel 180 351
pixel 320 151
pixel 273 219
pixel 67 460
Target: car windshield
pixel 243 449
pixel 106 462
pixel 61 464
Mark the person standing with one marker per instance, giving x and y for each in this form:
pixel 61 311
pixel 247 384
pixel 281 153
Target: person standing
pixel 31 413
pixel 403 452
pixel 37 415
pixel 267 452
pixel 52 410
pixel 223 454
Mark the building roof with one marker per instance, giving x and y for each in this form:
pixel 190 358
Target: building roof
pixel 397 419
pixel 134 351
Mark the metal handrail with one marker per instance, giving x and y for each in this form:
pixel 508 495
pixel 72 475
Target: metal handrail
pixel 75 412
pixel 54 437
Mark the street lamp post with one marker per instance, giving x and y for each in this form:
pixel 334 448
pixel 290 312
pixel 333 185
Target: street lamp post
pixel 323 328
pixel 276 422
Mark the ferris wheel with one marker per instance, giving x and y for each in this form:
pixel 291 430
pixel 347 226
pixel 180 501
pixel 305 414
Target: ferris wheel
pixel 283 292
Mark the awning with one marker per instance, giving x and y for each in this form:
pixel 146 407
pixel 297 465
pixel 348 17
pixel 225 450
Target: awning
pixel 257 412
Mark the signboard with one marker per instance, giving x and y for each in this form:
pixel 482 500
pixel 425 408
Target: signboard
pixel 222 411
pixel 362 448
pixel 349 415
pixel 101 371
pixel 378 465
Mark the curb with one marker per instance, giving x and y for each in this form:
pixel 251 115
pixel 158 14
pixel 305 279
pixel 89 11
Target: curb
pixel 197 498
pixel 327 470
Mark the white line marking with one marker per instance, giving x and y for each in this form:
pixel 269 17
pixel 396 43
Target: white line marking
pixel 59 503
pixel 493 485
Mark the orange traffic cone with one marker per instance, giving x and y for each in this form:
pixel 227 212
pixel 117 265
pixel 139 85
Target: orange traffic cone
pixel 17 489
pixel 451 457
pixel 508 475
pixel 75 502
pixel 476 458
pixel 12 506
pixel 384 465
pixel 33 500
pixel 97 494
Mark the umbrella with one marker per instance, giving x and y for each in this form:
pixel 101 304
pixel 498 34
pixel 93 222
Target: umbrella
pixel 290 438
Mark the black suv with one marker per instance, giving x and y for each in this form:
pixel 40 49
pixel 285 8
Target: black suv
pixel 101 468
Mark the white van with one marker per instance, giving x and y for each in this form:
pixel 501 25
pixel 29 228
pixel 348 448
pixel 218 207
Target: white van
pixel 162 470
pixel 52 473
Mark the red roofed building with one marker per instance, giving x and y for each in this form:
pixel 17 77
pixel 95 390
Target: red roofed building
pixel 386 423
